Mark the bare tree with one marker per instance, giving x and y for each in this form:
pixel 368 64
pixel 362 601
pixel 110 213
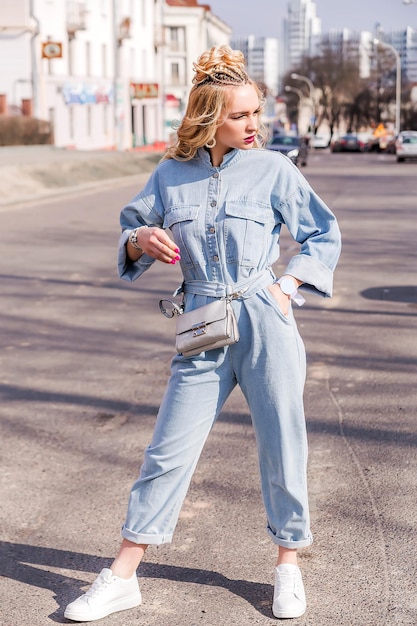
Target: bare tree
pixel 345 96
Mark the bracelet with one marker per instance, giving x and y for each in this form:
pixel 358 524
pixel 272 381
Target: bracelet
pixel 133 238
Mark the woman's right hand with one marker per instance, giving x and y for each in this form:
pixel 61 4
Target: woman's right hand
pixel 156 243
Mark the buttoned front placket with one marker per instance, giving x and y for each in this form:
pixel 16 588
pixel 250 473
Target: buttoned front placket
pixel 213 251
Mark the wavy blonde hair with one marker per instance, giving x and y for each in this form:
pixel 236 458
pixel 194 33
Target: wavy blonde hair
pixel 217 71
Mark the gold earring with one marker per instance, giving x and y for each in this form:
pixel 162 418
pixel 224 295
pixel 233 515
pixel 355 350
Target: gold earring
pixel 211 143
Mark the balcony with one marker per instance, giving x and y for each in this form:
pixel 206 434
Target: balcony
pixel 124 30
pixel 76 17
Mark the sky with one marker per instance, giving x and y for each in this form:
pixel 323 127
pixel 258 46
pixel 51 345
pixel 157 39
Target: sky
pixel 264 17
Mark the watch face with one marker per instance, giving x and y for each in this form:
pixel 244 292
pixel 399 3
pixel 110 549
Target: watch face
pixel 288 286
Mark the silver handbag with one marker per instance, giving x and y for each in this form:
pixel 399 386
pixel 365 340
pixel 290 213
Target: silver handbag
pixel 206 328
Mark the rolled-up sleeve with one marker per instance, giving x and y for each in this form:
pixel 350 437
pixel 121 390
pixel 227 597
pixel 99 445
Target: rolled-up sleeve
pixel 313 225
pixel 145 209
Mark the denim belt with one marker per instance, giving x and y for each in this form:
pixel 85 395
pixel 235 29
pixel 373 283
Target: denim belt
pixel 243 289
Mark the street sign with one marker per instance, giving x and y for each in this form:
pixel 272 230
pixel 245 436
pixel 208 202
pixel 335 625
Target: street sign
pixel 51 50
pixel 144 90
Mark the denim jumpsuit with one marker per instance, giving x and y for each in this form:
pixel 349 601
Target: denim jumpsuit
pixel 226 222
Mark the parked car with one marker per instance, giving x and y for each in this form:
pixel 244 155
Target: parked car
pixel 348 143
pixel 319 141
pixel 391 147
pixel 406 145
pixel 294 147
pixel 380 144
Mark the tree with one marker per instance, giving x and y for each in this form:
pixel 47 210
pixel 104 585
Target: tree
pixel 344 95
pixel 337 80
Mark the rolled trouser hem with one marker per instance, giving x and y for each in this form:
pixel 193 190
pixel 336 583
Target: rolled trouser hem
pixel 145 538
pixel 292 545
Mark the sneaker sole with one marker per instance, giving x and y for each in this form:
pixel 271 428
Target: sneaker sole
pixel 118 605
pixel 288 614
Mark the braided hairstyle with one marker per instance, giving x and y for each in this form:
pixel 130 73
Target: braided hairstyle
pixel 217 71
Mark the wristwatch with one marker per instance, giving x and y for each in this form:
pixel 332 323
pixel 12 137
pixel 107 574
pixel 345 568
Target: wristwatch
pixel 290 288
pixel 133 238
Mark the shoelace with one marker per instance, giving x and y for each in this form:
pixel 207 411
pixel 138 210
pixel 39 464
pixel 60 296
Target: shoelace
pixel 288 582
pixel 97 587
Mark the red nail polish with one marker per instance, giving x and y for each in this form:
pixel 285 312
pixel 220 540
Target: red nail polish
pixel 173 262
pixel 178 258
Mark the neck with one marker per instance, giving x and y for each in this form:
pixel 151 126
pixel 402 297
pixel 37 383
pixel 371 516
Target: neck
pixel 217 154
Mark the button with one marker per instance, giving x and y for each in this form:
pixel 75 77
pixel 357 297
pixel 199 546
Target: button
pixel 216 175
pixel 213 203
pixel 212 229
pixel 215 258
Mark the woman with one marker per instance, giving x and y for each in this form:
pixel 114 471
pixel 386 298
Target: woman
pixel 224 199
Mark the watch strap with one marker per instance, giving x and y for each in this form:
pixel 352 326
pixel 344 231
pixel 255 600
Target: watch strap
pixel 294 295
pixel 133 238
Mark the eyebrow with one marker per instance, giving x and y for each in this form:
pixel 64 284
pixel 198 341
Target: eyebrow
pixel 258 108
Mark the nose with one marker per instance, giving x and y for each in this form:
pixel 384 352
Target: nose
pixel 252 122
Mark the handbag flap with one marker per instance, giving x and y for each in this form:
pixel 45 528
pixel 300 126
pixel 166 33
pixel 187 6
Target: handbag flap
pixel 207 314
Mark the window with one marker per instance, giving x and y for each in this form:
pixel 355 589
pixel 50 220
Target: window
pixel 87 58
pixel 104 60
pixel 174 37
pixel 89 121
pixel 71 122
pixel 175 74
pixel 70 57
pixel 177 39
pixel 105 118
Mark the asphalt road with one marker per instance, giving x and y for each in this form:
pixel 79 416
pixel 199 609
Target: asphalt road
pixel 83 362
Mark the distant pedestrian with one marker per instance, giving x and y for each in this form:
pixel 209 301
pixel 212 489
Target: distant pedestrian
pixel 224 199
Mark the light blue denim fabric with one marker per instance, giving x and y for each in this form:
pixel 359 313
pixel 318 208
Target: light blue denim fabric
pixel 226 222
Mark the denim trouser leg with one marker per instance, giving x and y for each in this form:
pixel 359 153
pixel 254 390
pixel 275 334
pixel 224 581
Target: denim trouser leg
pixel 195 394
pixel 272 381
pixel 268 362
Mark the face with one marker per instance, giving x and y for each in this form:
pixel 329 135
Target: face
pixel 238 128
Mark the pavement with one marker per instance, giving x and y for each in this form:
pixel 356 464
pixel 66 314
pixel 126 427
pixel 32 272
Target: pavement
pixel 83 362
pixel 28 172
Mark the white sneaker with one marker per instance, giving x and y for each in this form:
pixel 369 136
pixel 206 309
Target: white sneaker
pixel 289 594
pixel 106 595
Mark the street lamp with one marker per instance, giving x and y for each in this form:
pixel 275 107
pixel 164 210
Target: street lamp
pixel 378 42
pixel 311 89
pixel 295 90
pixel 300 94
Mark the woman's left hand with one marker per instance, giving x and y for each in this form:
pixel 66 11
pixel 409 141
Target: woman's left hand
pixel 283 300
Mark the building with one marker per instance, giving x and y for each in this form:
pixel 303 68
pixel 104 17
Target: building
pixel 262 58
pixel 347 45
pixel 105 73
pixel 301 28
pixel 189 29
pixel 404 41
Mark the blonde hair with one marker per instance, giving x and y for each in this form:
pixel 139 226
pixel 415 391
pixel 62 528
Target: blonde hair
pixel 216 72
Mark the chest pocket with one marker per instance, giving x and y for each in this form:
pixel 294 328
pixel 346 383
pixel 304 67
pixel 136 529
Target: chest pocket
pixel 181 219
pixel 246 230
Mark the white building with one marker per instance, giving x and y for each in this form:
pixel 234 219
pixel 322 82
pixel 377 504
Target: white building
pixel 301 26
pixel 262 57
pixel 103 72
pixel 405 43
pixel 347 45
pixel 189 29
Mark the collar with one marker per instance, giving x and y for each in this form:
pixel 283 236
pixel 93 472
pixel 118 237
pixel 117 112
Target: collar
pixel 229 159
